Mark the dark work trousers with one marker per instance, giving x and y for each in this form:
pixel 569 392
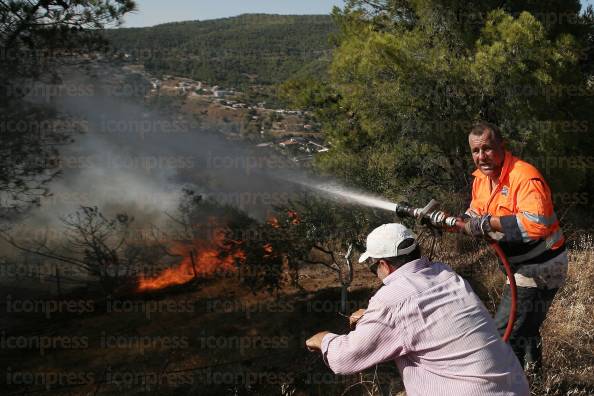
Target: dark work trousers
pixel 532 307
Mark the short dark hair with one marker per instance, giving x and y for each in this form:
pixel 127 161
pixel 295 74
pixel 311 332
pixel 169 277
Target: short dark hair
pixel 480 127
pixel 399 261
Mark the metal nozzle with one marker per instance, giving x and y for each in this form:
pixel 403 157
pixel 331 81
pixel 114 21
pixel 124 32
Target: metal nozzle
pixel 427 215
pixel 428 208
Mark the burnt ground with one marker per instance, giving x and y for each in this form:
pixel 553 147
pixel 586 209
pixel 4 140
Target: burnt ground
pixel 215 337
pixel 209 338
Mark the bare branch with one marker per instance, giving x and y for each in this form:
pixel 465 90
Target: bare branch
pixel 71 261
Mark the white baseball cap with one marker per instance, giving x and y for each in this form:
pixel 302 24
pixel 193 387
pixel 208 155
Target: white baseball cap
pixel 384 240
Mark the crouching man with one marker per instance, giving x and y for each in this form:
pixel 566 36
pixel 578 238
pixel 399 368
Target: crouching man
pixel 427 319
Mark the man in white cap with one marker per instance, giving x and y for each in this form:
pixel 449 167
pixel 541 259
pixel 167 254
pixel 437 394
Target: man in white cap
pixel 426 319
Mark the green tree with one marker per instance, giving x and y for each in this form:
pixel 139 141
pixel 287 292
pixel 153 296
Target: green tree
pixel 409 78
pixel 233 52
pixel 34 34
pixel 36 38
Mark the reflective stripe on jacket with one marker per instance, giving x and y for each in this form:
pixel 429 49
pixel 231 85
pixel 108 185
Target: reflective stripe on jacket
pixel 523 201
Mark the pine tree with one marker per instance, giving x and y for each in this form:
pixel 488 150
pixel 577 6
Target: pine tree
pixel 408 78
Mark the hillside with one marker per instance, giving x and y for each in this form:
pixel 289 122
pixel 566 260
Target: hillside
pixel 250 48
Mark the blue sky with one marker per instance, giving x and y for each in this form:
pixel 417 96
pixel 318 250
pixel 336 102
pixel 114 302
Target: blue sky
pixel 154 12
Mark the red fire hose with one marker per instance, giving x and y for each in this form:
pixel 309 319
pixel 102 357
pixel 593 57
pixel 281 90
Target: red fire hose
pixel 512 286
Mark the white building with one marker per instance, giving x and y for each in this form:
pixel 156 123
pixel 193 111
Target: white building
pixel 222 93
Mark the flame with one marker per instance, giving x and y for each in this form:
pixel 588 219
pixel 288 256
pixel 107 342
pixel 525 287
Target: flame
pixel 200 259
pixel 273 222
pixel 294 216
pixel 267 248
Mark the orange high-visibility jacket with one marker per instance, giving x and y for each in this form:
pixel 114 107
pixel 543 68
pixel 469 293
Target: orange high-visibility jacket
pixel 523 201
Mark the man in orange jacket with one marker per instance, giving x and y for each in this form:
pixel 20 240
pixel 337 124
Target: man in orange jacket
pixel 512 203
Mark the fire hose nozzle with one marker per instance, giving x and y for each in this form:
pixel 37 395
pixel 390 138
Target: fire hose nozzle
pixel 436 218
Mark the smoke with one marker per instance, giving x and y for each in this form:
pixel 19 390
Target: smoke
pixel 131 159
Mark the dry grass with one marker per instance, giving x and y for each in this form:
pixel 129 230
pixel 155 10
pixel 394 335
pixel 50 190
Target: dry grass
pixel 568 332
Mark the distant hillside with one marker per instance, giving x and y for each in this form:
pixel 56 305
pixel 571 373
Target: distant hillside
pixel 259 48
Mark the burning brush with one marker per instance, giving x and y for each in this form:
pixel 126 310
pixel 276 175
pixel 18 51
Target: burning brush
pixel 200 259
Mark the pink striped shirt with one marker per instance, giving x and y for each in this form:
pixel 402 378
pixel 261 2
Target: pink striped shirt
pixel 429 321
